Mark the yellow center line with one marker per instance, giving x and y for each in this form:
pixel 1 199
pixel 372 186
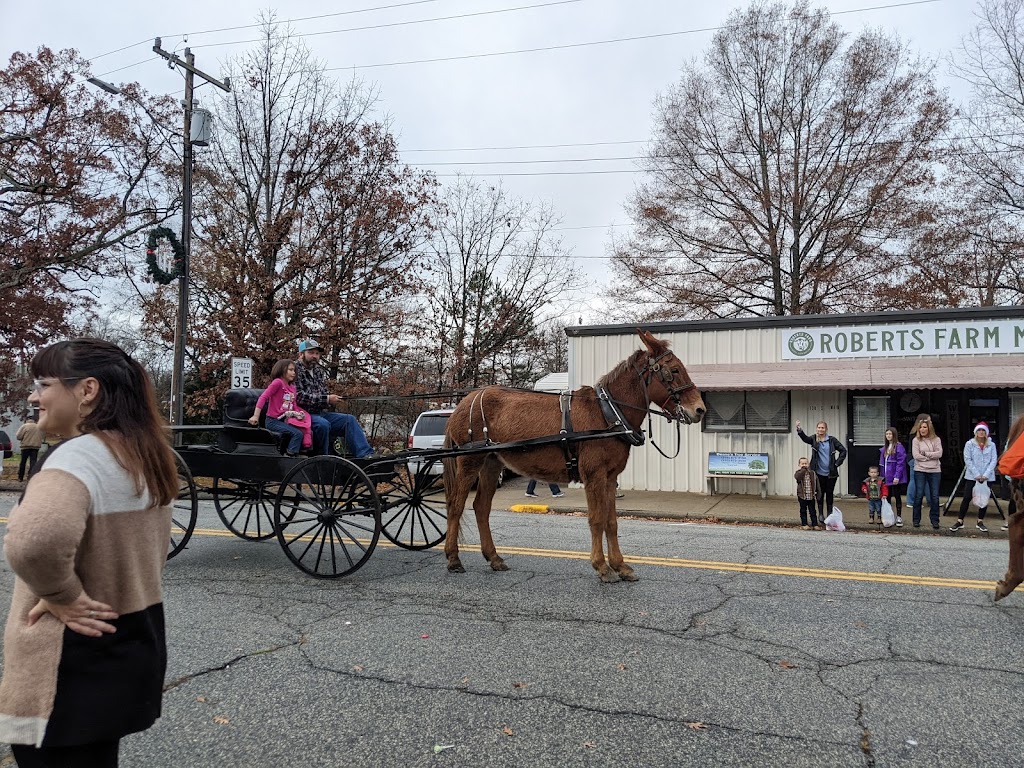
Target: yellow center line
pixel 711 565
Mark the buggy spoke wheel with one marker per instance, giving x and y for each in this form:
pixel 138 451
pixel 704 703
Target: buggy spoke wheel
pixel 246 507
pixel 327 517
pixel 184 509
pixel 414 515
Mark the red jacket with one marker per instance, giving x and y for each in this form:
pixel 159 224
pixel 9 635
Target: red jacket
pixel 884 488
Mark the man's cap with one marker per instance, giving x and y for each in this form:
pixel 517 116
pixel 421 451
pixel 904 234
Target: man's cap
pixel 308 344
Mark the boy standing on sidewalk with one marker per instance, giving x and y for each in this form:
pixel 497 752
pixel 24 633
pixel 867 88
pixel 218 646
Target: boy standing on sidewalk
pixel 874 491
pixel 806 493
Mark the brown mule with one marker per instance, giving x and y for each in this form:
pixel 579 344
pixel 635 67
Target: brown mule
pixel 498 415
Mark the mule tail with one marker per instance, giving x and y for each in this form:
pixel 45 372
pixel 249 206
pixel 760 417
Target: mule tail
pixel 449 475
pixel 448 468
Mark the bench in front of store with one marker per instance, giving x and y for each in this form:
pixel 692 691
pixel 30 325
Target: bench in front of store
pixel 737 466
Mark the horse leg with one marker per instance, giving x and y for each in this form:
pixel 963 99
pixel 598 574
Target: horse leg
pixel 486 485
pixel 457 479
pixel 600 498
pixel 615 559
pixel 1015 571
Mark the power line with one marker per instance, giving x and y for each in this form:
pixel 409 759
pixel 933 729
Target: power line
pixel 529 146
pixel 567 46
pixel 149 40
pixel 401 23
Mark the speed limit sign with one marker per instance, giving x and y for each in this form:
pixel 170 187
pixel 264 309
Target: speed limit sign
pixel 241 372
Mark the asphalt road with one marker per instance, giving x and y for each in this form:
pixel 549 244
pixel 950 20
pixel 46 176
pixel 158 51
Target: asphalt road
pixel 738 646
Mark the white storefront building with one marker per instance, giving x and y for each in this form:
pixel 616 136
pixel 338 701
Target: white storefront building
pixel 859 373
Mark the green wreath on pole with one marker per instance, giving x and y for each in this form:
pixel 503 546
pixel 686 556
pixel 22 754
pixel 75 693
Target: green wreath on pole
pixel 152 241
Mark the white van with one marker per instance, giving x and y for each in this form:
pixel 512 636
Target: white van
pixel 428 432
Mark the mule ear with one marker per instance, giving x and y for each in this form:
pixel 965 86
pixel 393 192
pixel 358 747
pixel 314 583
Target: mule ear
pixel 648 339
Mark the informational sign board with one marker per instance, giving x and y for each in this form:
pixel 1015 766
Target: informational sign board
pixel 241 372
pixel 737 463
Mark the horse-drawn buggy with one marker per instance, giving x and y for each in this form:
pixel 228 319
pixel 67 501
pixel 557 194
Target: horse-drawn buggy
pixel 328 512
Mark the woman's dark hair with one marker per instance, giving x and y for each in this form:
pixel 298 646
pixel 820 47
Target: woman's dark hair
pixel 890 448
pixel 125 417
pixel 280 368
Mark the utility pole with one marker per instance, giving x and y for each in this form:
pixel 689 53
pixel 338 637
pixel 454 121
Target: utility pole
pixel 178 370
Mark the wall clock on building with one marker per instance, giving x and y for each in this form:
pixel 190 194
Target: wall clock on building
pixel 910 402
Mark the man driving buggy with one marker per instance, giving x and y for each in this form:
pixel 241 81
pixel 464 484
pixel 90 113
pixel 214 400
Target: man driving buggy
pixel 312 395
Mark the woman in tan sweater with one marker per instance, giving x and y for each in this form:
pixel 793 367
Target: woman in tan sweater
pixel 84 648
pixel 927 450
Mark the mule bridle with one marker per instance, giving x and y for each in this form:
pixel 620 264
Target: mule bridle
pixel 654 367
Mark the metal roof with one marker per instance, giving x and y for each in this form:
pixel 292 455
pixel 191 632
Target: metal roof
pixel 967 372
pixel 796 321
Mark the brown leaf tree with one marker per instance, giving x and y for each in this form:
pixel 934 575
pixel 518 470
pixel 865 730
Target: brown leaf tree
pixel 81 173
pixel 785 168
pixel 307 224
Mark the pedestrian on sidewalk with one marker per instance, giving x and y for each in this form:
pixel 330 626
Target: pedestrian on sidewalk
pixel 806 494
pixel 892 460
pixel 979 467
pixel 927 451
pixel 30 440
pixel 531 489
pixel 874 491
pixel 827 455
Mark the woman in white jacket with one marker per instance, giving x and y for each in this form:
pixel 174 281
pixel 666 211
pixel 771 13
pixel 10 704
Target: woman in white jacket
pixel 979 467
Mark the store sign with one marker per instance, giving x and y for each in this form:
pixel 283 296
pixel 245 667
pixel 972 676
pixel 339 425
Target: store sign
pixel 964 337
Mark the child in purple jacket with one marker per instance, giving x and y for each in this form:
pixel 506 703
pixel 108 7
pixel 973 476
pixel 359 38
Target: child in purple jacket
pixel 892 461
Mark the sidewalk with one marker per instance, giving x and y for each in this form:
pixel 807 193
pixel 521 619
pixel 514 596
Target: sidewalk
pixel 733 509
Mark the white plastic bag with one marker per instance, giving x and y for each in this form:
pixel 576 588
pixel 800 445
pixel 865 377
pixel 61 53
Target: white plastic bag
pixel 888 517
pixel 834 522
pixel 981 494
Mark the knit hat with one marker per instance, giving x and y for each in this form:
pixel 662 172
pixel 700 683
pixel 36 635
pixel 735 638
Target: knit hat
pixel 983 427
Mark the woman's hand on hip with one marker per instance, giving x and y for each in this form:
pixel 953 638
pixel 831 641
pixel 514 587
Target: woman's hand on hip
pixel 85 616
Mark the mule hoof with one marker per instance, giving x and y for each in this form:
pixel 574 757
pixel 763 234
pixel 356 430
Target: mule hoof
pixel 608 577
pixel 627 574
pixel 1003 589
pixel 497 564
pixel 456 567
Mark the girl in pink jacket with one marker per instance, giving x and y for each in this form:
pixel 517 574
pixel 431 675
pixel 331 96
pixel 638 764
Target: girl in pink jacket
pixel 283 415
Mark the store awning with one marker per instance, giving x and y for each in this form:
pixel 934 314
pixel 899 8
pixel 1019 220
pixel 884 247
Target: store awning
pixel 964 372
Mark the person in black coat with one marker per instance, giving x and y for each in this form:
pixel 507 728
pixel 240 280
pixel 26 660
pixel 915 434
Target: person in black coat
pixel 827 456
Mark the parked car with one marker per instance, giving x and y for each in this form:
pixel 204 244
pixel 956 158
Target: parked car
pixel 428 432
pixel 5 445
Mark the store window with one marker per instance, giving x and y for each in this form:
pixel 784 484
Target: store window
pixel 1016 405
pixel 870 420
pixel 746 411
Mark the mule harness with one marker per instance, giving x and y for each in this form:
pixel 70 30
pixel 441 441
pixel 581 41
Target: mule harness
pixel 611 410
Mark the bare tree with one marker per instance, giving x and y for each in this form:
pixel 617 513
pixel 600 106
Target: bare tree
pixel 783 169
pixel 986 230
pixel 498 267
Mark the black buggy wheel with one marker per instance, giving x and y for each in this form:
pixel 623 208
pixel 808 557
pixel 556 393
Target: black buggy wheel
pixel 327 517
pixel 413 511
pixel 184 509
pixel 246 507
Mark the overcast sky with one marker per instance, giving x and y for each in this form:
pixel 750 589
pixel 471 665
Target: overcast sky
pixel 593 100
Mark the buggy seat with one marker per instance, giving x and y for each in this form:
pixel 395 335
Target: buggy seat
pixel 239 436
